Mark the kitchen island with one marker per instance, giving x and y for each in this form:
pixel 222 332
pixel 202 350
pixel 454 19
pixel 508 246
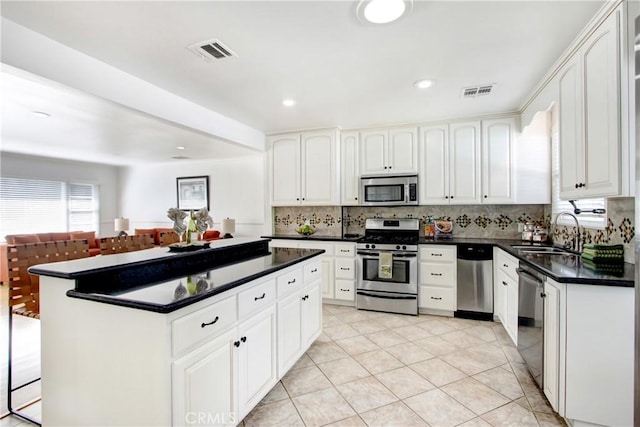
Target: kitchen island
pixel 173 338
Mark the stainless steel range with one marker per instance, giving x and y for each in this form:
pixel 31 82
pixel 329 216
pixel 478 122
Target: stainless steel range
pixel 388 266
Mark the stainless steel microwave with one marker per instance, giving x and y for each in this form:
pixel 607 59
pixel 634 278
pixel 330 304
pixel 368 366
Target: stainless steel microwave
pixel 389 190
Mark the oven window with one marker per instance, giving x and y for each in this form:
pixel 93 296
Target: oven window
pixel 384 193
pixel 400 271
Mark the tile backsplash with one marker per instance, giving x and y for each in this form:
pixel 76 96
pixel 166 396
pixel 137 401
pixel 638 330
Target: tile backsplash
pixel 470 221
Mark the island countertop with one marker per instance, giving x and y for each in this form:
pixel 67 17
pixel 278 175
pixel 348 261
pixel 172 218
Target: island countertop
pixel 161 281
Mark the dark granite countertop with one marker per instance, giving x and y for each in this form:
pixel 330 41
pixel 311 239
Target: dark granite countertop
pixel 561 268
pixel 313 237
pixel 170 295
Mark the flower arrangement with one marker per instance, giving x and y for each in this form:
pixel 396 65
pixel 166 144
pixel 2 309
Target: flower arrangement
pixel 202 218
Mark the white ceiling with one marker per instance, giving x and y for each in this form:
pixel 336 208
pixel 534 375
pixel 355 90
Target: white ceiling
pixel 341 72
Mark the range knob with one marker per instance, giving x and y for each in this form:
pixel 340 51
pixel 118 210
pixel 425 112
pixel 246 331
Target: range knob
pixel 373 246
pixel 404 246
pixel 366 246
pixel 398 247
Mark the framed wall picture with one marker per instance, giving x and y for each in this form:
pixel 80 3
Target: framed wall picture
pixel 193 192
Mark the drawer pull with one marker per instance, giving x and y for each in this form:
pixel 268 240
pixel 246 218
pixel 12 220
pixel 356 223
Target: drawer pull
pixel 345 268
pixel 345 251
pixel 345 290
pixel 504 283
pixel 210 323
pixel 314 270
pixel 291 281
pixel 261 297
pixel 436 274
pixel 436 254
pixel 436 298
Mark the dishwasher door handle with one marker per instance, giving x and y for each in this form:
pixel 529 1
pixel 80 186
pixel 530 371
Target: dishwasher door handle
pixel 523 272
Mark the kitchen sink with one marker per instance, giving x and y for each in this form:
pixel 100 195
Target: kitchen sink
pixel 546 250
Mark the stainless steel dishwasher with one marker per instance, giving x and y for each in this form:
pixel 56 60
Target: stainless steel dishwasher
pixel 531 320
pixel 475 281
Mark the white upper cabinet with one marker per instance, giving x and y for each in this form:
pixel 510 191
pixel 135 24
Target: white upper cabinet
pixel 391 151
pixel 434 165
pixel 464 163
pixel 304 169
pixel 589 105
pixel 498 160
pixel 349 168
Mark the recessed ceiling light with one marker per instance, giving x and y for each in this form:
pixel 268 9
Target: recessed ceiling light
pixel 179 147
pixel 41 114
pixel 423 84
pixel 382 11
pixel 288 102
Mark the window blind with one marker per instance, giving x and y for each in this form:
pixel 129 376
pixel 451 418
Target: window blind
pixel 39 206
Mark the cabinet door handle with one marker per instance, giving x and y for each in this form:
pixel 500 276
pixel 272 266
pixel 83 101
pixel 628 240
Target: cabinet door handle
pixel 210 323
pixel 243 339
pixel 452 197
pixel 446 197
pixel 385 167
pixel 505 265
pixel 291 281
pixel 485 196
pixel 306 297
pixel 504 283
pixel 389 167
pixel 260 297
pixel 436 274
pixel 356 198
pixel 314 270
pixel 543 295
pixel 236 343
pixel 436 298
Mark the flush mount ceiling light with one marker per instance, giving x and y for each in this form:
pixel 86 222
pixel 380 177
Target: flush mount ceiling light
pixel 41 114
pixel 288 102
pixel 382 11
pixel 423 84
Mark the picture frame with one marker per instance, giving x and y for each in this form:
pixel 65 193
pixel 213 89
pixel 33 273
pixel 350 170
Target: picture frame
pixel 192 192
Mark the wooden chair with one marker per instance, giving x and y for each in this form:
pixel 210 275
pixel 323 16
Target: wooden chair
pixel 118 245
pixel 168 237
pixel 24 290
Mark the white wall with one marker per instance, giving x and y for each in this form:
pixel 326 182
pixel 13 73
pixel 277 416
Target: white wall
pixel 236 190
pixel 21 166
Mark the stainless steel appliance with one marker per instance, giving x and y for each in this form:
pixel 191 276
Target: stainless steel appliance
pixel 475 281
pixel 531 320
pixel 637 218
pixel 389 190
pixel 399 292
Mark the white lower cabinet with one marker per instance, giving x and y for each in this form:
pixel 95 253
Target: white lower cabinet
pixel 224 374
pixel 204 385
pixel 589 349
pixel 437 276
pixel 505 288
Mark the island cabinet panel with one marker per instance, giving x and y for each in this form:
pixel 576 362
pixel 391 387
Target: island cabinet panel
pixel 207 363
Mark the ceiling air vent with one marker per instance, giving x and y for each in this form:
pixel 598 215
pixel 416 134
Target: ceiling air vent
pixel 474 91
pixel 212 50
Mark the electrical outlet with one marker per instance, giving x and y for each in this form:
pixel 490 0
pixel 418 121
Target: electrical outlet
pixel 520 227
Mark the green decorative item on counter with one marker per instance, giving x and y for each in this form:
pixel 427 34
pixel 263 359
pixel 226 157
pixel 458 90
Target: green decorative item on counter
pixel 191 287
pixel 306 230
pixel 191 229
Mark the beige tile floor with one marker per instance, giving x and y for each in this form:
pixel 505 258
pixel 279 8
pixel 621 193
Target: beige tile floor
pixel 380 369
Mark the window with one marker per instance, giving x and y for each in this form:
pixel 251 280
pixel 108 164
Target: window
pixel 588 220
pixel 38 206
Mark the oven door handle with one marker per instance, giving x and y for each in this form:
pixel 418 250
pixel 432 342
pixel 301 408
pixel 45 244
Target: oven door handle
pixel 376 255
pixel 366 294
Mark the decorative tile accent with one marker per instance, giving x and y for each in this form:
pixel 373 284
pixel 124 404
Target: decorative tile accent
pixel 523 218
pixel 627 230
pixel 482 221
pixel 463 221
pixel 503 221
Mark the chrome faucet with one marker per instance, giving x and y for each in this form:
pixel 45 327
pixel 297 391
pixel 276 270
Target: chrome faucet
pixel 577 239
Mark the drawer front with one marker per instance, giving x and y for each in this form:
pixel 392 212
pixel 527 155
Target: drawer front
pixel 312 272
pixel 438 253
pixel 508 264
pixel 345 268
pixel 345 290
pixel 256 298
pixel 328 247
pixel 437 274
pixel 345 250
pixel 290 281
pixel 436 298
pixel 203 324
